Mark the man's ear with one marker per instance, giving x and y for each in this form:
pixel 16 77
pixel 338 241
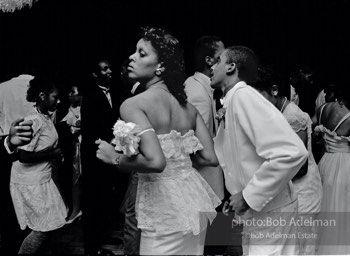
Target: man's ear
pixel 42 96
pixel 231 68
pixel 209 61
pixel 94 74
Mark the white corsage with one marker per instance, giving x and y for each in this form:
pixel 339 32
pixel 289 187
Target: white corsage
pixel 126 137
pixel 220 115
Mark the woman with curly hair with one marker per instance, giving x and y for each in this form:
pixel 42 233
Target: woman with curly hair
pixel 173 202
pixel 307 182
pixel 36 199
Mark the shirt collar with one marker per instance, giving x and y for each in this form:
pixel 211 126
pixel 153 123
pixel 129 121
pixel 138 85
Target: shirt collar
pixel 104 89
pixel 230 93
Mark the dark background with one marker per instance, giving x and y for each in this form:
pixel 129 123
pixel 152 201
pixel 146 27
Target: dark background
pixel 64 36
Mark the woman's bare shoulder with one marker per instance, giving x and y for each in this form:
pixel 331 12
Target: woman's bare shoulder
pixel 137 102
pixel 191 109
pixel 134 99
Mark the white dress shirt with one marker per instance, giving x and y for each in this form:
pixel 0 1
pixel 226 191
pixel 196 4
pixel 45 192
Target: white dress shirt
pixel 258 150
pixel 7 147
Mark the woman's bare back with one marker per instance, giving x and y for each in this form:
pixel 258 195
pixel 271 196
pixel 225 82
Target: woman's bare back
pixel 164 112
pixel 331 116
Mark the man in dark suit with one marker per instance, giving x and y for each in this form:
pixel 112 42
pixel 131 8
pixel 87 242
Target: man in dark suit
pixel 99 112
pixel 20 133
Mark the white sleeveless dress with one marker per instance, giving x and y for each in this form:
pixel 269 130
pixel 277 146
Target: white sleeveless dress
pixel 173 207
pixel 335 174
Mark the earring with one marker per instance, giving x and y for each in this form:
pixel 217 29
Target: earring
pixel 158 72
pixel 274 93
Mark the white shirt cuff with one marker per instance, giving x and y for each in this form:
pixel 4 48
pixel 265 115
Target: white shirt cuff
pixel 6 146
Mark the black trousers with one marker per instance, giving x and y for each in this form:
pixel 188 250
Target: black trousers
pixel 98 207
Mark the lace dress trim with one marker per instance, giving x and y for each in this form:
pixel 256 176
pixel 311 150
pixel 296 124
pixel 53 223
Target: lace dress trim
pixel 178 199
pixel 321 129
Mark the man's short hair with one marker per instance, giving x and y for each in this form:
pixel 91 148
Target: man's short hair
pixel 205 46
pixel 246 62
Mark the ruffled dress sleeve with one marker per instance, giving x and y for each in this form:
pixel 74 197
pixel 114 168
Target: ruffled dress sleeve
pixel 37 124
pixel 297 119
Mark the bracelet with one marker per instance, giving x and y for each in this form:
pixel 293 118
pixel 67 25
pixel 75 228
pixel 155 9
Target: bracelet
pixel 117 161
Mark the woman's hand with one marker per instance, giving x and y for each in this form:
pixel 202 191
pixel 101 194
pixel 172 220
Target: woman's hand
pixel 106 152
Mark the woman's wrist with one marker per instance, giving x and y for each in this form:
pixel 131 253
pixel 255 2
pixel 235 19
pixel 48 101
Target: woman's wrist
pixel 116 161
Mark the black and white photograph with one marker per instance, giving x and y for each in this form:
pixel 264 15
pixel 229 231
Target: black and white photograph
pixel 157 127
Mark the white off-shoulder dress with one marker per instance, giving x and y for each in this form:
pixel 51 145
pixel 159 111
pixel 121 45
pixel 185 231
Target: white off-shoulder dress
pixel 173 208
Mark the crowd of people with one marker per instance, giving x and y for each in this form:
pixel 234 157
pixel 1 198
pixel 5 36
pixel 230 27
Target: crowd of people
pixel 235 138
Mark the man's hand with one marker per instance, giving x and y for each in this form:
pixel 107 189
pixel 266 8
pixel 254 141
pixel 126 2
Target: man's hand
pixel 20 133
pixel 238 204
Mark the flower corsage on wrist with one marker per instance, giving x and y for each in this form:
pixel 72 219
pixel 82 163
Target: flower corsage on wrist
pixel 126 139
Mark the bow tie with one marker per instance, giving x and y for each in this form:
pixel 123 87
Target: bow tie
pixel 105 90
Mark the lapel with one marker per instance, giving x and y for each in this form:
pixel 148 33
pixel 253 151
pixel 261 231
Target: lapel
pixel 230 93
pixel 205 82
pixel 103 98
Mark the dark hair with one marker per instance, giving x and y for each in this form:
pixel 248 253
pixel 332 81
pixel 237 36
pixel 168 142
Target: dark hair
pixel 267 77
pixel 170 54
pixel 329 88
pixel 37 85
pixel 94 64
pixel 246 62
pixel 205 46
pixel 342 92
pixel 299 81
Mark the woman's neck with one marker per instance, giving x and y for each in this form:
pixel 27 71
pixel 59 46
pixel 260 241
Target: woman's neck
pixel 41 109
pixel 281 103
pixel 154 83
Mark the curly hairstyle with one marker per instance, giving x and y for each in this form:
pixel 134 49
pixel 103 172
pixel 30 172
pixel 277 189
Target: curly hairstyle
pixel 37 85
pixel 267 77
pixel 170 54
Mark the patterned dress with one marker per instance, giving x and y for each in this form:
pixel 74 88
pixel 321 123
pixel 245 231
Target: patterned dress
pixel 37 201
pixel 176 202
pixel 308 187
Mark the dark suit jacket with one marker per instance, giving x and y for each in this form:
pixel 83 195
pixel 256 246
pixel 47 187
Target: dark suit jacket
pixel 97 120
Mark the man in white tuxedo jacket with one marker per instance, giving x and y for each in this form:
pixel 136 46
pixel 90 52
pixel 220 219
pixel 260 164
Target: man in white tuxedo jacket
pixel 260 154
pixel 200 94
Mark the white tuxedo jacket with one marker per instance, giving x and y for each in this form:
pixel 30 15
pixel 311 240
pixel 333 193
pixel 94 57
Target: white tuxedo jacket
pixel 258 150
pixel 200 94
